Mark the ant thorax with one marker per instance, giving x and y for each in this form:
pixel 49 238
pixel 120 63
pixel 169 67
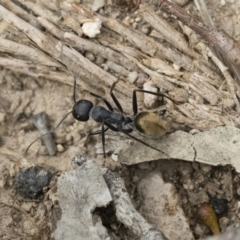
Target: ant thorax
pixel 100 114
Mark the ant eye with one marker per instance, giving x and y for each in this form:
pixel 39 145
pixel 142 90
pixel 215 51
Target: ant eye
pixel 81 110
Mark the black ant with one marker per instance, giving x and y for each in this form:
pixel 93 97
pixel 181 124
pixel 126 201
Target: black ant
pixel 147 123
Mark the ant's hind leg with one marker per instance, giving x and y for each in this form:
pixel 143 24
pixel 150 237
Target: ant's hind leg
pixel 134 98
pixel 135 138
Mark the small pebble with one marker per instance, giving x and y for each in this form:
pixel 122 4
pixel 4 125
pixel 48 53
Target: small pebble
pixel 69 137
pixel 30 182
pixel 76 137
pixel 220 205
pixel 114 157
pixel 60 148
pixel 97 4
pixel 176 67
pixel 181 2
pixel 186 169
pixel 121 39
pixel 126 21
pixel 28 227
pixel 100 60
pixel 223 222
pixel 238 191
pixel 138 19
pixel 21 132
pixel 206 168
pixel 194 131
pixel 71 128
pixel 132 77
pixel 191 187
pixel 195 166
pixel 131 20
pixel 27 206
pixel 145 29
pixel 2 117
pixel 45 189
pixel 134 25
pixel 135 179
pixel 35 204
pixel 185 200
pixel 199 230
pixel 28 112
pixel 43 151
pixel 36 24
pixel 90 56
pixel 105 67
pixel 145 166
pixel 91 29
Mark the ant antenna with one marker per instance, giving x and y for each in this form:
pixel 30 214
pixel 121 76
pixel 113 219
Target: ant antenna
pixel 48 131
pixel 74 89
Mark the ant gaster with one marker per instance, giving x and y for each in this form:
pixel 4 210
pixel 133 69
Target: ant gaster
pixel 146 123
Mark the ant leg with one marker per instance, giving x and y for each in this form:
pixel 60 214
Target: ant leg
pixel 134 138
pixel 93 94
pixel 47 132
pixel 74 89
pixel 134 99
pixel 98 132
pixel 144 143
pixel 104 100
pixel 103 135
pixel 115 99
pixel 103 140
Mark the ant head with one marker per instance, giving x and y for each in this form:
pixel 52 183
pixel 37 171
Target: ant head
pixel 81 110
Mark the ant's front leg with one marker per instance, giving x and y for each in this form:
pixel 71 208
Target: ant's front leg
pixel 115 99
pixel 109 106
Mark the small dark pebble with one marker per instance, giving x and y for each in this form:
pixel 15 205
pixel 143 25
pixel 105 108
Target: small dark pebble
pixel 220 205
pixel 30 182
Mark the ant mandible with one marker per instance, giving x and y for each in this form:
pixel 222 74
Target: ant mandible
pixel 117 122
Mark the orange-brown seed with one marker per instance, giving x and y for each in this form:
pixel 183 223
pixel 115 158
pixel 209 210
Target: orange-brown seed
pixel 208 216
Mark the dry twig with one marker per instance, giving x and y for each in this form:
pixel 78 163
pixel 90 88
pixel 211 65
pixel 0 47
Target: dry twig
pixel 125 211
pixel 223 43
